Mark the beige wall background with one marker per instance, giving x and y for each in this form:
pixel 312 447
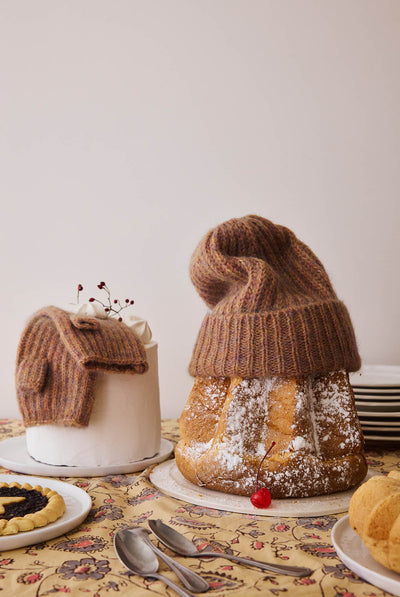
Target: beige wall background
pixel 129 128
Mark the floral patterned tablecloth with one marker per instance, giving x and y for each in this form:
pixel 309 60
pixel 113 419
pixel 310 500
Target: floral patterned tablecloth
pixel 83 562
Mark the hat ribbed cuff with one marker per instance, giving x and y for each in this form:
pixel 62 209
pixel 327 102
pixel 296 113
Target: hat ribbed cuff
pixel 300 341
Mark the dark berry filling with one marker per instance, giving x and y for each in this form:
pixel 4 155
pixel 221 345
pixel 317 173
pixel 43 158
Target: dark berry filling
pixel 33 502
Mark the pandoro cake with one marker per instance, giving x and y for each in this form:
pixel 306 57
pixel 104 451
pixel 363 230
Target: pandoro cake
pixel 271 364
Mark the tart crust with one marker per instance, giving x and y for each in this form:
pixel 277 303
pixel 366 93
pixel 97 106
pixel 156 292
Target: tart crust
pixel 53 509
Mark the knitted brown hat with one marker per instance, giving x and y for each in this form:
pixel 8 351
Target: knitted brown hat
pixel 57 358
pixel 273 309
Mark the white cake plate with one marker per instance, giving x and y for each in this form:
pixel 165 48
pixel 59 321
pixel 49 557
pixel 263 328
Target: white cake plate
pixel 77 506
pixel 355 555
pixel 376 376
pixel 14 456
pixel 167 477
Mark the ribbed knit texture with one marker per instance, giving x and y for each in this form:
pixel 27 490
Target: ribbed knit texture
pixel 57 358
pixel 273 308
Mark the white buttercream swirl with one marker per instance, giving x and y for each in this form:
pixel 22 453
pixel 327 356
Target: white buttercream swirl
pixel 137 324
pixel 88 310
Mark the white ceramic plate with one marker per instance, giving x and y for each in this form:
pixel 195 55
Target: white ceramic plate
pixel 369 415
pixel 352 551
pixel 377 436
pixel 167 477
pixel 376 394
pixel 395 425
pixel 378 376
pixel 14 456
pixel 77 506
pixel 378 406
pixel 371 419
pixel 376 429
pixel 385 432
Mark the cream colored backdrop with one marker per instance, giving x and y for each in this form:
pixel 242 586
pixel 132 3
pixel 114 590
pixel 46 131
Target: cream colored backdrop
pixel 129 128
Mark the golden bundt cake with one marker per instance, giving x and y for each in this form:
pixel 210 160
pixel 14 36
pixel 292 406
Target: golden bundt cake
pixel 228 424
pixel 374 514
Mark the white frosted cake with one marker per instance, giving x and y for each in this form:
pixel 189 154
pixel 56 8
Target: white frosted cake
pixel 125 422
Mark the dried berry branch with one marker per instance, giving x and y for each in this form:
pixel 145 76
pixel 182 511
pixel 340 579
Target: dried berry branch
pixel 112 308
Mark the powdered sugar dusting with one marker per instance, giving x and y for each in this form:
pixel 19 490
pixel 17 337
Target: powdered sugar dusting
pixel 212 390
pixel 196 449
pixel 299 443
pixel 246 422
pixel 334 412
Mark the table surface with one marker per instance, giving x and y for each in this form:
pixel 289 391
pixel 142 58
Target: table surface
pixel 83 562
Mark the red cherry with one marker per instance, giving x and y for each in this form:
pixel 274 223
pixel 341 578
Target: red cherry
pixel 91 300
pixel 261 498
pixel 80 287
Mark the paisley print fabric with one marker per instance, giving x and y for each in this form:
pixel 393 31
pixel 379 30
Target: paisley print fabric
pixel 83 563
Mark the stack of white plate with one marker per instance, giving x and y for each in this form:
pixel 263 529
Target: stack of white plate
pixel 377 393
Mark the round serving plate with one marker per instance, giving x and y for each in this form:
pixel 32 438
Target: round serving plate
pixel 381 437
pixel 376 376
pixel 77 506
pixel 167 478
pixel 378 414
pixel 14 456
pixel 376 394
pixel 380 423
pixel 354 554
pixel 378 406
pixel 376 428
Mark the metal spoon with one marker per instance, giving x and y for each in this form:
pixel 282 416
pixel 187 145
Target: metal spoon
pixel 134 553
pixel 181 545
pixel 190 578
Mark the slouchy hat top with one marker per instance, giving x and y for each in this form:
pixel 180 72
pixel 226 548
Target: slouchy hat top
pixel 273 310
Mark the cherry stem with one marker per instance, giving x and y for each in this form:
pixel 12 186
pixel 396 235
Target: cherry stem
pixel 260 465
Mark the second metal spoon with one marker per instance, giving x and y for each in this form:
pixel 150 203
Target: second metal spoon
pixel 181 544
pixel 191 580
pixel 137 556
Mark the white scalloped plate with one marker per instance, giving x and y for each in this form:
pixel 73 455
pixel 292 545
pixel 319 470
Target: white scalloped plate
pixel 168 479
pixel 354 554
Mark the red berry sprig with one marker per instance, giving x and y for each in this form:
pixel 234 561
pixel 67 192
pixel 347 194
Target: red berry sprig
pixel 261 498
pixel 79 288
pixel 114 307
